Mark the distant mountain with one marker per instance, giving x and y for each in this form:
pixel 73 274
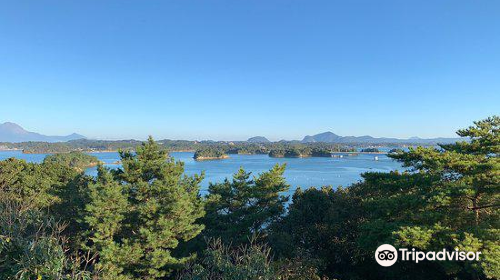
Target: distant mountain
pixel 326 137
pixel 11 132
pixel 330 137
pixel 258 139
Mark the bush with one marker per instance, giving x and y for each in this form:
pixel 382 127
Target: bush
pixel 31 246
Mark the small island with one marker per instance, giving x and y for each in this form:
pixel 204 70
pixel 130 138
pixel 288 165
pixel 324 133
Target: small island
pixel 76 160
pixel 371 150
pixel 301 151
pixel 209 154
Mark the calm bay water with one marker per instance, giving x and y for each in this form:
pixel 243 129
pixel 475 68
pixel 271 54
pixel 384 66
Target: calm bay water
pixel 300 172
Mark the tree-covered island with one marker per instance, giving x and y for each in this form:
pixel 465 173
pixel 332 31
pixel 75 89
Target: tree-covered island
pixel 77 160
pixel 210 154
pixel 274 149
pixel 310 150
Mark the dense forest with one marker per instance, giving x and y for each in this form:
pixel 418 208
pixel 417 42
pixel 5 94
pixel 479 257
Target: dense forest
pixel 210 153
pixel 147 219
pixel 203 149
pixel 228 147
pixel 311 150
pixel 77 160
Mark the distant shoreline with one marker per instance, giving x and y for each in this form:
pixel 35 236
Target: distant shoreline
pixel 83 151
pixel 10 149
pixel 192 151
pixel 333 155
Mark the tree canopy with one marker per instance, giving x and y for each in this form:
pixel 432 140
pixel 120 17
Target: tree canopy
pixel 138 215
pixel 239 208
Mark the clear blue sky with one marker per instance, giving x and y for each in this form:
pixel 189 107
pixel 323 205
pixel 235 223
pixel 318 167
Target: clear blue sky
pixel 234 69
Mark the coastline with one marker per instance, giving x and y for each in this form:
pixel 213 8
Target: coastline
pixel 85 151
pixel 336 154
pixel 211 158
pixel 10 149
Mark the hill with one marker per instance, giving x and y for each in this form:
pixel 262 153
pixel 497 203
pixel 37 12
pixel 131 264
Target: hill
pixel 258 139
pixel 326 137
pixel 330 137
pixel 14 133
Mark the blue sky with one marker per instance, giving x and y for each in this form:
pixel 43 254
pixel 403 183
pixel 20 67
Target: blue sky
pixel 228 70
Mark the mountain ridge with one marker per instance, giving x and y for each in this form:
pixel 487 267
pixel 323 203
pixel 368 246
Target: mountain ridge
pixel 330 137
pixel 14 133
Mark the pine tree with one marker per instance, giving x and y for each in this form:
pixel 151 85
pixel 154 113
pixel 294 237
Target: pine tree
pixel 243 207
pixel 450 199
pixel 139 216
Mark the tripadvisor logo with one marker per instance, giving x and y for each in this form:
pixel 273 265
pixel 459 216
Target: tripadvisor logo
pixel 386 255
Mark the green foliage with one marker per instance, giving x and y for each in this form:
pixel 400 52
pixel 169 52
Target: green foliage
pixel 77 160
pixel 50 186
pixel 395 151
pixel 38 184
pixel 280 152
pixel 451 200
pixel 31 246
pixel 391 202
pixel 43 147
pixel 73 145
pixel 248 148
pixel 138 216
pixel 105 215
pixel 241 147
pixel 448 199
pixel 209 153
pixel 309 150
pixel 297 152
pixel 221 261
pixel 319 152
pixel 243 207
pixel 463 207
pixel 321 229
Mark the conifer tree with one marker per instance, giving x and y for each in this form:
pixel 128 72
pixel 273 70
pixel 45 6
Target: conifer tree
pixel 243 207
pixel 139 216
pixel 450 199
